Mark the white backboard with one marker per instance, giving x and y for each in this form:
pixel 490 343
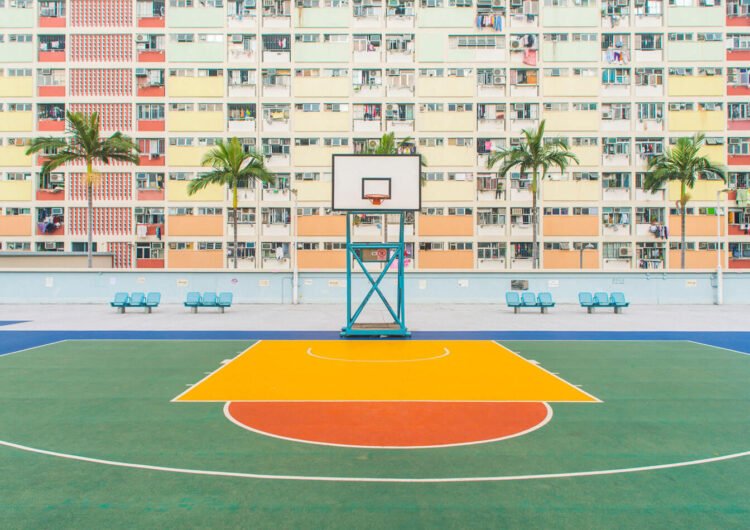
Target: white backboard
pixel 396 176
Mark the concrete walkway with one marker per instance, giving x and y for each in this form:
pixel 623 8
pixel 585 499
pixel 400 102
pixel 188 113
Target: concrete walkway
pixel 437 317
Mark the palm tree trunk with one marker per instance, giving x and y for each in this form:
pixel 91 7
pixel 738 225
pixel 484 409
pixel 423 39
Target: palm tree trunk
pixel 90 214
pixel 534 221
pixel 234 208
pixel 683 212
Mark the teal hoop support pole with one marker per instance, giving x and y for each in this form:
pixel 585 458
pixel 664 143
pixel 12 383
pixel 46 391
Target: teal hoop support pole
pixel 397 252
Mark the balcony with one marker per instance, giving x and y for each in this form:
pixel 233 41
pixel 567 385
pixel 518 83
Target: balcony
pixel 150 125
pixel 242 125
pixel 50 222
pixel 152 159
pixel 150 13
pixel 155 194
pixel 51 118
pixel 151 56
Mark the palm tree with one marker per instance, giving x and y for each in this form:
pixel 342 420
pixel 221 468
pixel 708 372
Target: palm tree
pixel 83 142
pixel 682 164
pixel 535 155
pixel 231 164
pixel 387 145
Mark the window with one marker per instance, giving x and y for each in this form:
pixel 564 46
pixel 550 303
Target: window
pixel 490 216
pixel 245 216
pixel 209 245
pixel 149 251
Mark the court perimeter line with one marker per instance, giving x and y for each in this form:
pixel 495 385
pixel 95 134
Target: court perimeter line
pixel 176 399
pixel 596 399
pixel 718 347
pixel 374 479
pixel 446 353
pixel 33 347
pixel 544 422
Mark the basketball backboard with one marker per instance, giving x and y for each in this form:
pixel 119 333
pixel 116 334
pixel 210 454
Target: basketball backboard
pixel 376 183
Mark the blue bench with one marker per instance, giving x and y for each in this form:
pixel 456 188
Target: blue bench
pixel 543 301
pixel 195 300
pixel 614 301
pixel 136 300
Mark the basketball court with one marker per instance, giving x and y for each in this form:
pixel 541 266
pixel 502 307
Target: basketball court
pixel 428 428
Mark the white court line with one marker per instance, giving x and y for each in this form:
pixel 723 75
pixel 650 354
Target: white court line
pixel 33 347
pixel 222 365
pixel 544 422
pixel 718 347
pixel 445 353
pixel 505 478
pixel 537 365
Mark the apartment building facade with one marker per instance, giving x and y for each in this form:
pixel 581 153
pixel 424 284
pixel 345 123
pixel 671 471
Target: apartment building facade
pixel 301 80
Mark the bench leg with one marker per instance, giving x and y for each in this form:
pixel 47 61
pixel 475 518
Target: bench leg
pixel 544 310
pixel 516 310
pixel 617 310
pixel 148 310
pixel 590 310
pixel 221 309
pixel 194 309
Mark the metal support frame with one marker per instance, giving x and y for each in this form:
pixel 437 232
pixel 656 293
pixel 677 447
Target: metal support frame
pixel 398 327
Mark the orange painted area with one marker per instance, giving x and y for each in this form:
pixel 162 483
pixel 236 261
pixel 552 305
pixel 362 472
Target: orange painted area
pixel 15 225
pixel 321 225
pixel 695 225
pixel 570 259
pixel 446 259
pixel 51 91
pixel 694 259
pixel 571 225
pixel 446 225
pixel 334 370
pixel 52 57
pixel 151 56
pixel 321 259
pixel 195 259
pixel 195 225
pixel 389 424
pixel 50 125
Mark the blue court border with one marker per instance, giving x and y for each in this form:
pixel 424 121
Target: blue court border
pixel 12 341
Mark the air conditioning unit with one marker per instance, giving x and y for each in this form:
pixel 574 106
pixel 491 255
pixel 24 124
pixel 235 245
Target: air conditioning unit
pixel 46 71
pixel 50 245
pixel 516 3
pixel 515 43
pixel 624 252
pixel 141 38
pixel 56 178
pixel 745 227
pixel 372 144
pixel 564 246
pixel 141 72
pixel 237 38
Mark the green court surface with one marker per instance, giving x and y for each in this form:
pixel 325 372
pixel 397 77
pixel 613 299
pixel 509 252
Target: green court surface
pixel 663 404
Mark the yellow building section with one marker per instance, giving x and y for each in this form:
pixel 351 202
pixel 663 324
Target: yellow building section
pixel 195 121
pixel 177 191
pixel 448 191
pixel 448 87
pixel 16 121
pixel 382 371
pixel 575 86
pixel 572 120
pixel 202 87
pixel 699 85
pixel 313 191
pixel 15 190
pixel 696 120
pixel 704 190
pixel 449 155
pixel 16 87
pixel 321 87
pixel 588 155
pixel 446 121
pixel 183 155
pixel 571 190
pixel 322 121
pixel 315 155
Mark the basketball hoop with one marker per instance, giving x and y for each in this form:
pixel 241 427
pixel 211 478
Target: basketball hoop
pixel 376 198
